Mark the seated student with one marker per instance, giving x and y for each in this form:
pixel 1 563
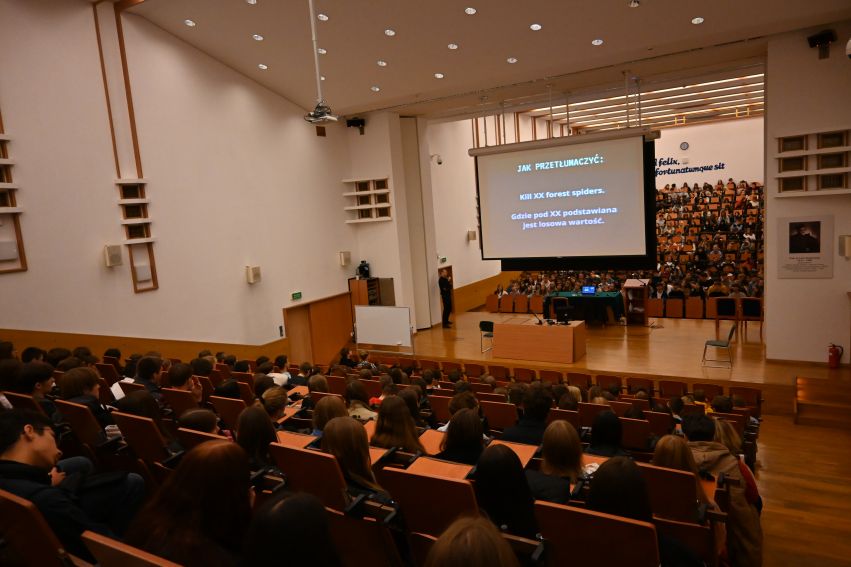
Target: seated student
pixel 327 409
pixel 261 383
pixel 254 434
pixel 143 404
pixel 149 371
pixel 346 439
pixel 395 427
pixel 365 362
pixel 82 386
pixel 180 377
pixel 619 489
pixel 530 428
pixel 56 355
pixel 199 515
pixel 700 400
pixel 722 404
pixel 291 527
pixel 274 401
pixel 464 438
pixel 561 464
pixel 412 399
pixel 32 353
pixel 464 400
pixel 71 501
pixel 316 383
pixel 673 452
pixel 116 354
pixel 7 350
pixel 346 358
pixel 471 542
pixel 279 372
pixel 388 388
pixel 744 532
pixel 36 379
pixel 242 366
pixel 201 366
pixel 358 401
pixel 606 433
pixel 503 493
pixel 726 434
pixel 305 369
pixel 202 420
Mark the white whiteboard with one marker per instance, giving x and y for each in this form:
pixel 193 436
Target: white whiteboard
pixel 379 325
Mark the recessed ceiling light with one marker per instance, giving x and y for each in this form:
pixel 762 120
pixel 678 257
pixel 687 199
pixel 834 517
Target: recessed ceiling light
pixel 438 75
pixel 263 66
pixel 321 51
pixel 597 42
pixel 252 2
pixel 452 46
pixel 512 60
pixel 535 27
pixel 322 78
pixel 322 17
pixel 469 11
pixel 257 37
pixel 634 3
pixel 190 23
pixel 697 20
pixel 381 63
pixel 375 88
pixel 389 32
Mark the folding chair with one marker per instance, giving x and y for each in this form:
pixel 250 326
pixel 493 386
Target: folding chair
pixel 485 332
pixel 718 344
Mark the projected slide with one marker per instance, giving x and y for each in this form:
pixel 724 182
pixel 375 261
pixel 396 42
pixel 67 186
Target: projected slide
pixel 573 200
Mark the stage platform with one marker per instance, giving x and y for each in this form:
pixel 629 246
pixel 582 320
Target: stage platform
pixel 665 349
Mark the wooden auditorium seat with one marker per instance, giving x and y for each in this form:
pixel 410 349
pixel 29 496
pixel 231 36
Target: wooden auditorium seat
pixel 671 388
pixel 606 381
pixel 524 375
pixel 147 443
pixel 620 408
pixel 551 376
pixel 492 303
pixel 633 384
pixel 655 307
pixel 108 373
pixel 180 401
pixel 189 438
pixel 130 387
pixel 674 308
pixel 694 308
pixel 751 396
pixel 473 370
pixel 112 553
pixel 709 390
pixel 673 493
pixel 440 408
pixel 361 541
pixel 499 372
pixel 501 415
pixel 661 423
pixel 228 410
pixel 587 413
pixel 23 401
pixel 572 417
pixel 582 537
pixel 451 366
pixel 506 304
pixel 536 304
pixel 579 379
pixel 312 471
pixel 521 304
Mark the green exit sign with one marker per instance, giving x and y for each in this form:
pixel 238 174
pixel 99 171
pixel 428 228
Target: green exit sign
pixel 296 295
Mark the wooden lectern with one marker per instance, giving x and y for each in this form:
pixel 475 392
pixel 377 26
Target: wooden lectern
pixel 635 294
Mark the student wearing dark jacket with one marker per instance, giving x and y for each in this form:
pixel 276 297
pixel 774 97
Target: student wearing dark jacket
pixel 73 501
pixel 82 386
pixel 530 429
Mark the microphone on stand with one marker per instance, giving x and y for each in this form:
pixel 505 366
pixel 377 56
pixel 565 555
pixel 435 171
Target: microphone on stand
pixel 540 322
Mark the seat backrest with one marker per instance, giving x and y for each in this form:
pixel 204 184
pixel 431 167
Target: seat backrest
pixel 636 434
pixel 246 377
pixel 731 333
pixel 633 384
pixel 316 396
pixel 501 415
pixel 536 304
pixel 105 394
pixel 180 401
pixel 143 436
pixel 587 413
pixel 725 307
pixel 583 537
pixel 440 408
pixel 474 370
pixel 498 371
pixel 752 397
pixel 490 397
pixel 751 307
pixel 643 405
pixel 82 422
pixel 521 304
pixel 492 303
pixel 572 417
pixel 107 372
pixel 738 420
pixel 479 387
pixel 312 471
pixel 671 388
pixel 27 534
pixel 113 553
pixel 228 409
pixel 450 366
pixel 373 388
pixel 693 409
pixel 674 307
pixel 673 493
pixel 506 304
pixel 421 546
pixel 246 392
pixel 416 494
pixel 130 387
pixel 661 423
pixel 189 438
pixel 337 384
pixel 620 408
pixel 551 376
pixel 698 538
pixel 23 401
pixel 709 390
pixel 362 541
pixel 428 364
pixel 486 326
pixel 606 381
pixel 579 379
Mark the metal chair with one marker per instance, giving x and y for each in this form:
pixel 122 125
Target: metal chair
pixel 486 331
pixel 720 343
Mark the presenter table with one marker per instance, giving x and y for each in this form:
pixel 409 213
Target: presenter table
pixel 541 343
pixel 590 307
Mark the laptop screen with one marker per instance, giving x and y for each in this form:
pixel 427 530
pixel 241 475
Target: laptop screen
pixel 588 290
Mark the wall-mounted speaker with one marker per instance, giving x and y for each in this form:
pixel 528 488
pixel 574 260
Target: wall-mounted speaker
pixel 252 274
pixel 845 245
pixel 345 258
pixel 112 255
pixel 471 235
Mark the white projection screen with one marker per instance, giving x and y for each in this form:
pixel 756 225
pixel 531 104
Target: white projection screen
pixel 579 201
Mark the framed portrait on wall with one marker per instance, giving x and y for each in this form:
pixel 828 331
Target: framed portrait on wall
pixel 805 247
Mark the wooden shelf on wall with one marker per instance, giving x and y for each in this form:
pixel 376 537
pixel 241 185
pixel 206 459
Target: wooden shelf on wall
pixel 814 163
pixel 368 200
pixel 14 258
pixel 821 193
pixel 133 202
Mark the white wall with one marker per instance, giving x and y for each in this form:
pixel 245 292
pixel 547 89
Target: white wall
pixel 737 144
pixel 806 94
pixel 453 189
pixel 236 177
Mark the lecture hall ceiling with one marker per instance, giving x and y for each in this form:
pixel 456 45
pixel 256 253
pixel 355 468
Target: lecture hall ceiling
pixel 657 37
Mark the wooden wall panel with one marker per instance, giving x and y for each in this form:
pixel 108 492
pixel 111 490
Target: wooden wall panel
pixel 184 350
pixel 473 295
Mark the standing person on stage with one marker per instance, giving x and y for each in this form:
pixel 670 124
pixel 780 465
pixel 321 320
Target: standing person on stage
pixel 445 283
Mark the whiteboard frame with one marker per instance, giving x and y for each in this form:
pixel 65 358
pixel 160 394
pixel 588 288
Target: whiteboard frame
pixel 403 337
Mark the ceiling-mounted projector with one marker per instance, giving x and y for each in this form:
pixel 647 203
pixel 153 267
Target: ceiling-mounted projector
pixel 321 114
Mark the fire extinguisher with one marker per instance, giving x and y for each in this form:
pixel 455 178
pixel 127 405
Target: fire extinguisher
pixel 834 355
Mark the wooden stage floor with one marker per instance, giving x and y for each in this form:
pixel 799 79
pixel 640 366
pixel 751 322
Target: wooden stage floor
pixel 667 349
